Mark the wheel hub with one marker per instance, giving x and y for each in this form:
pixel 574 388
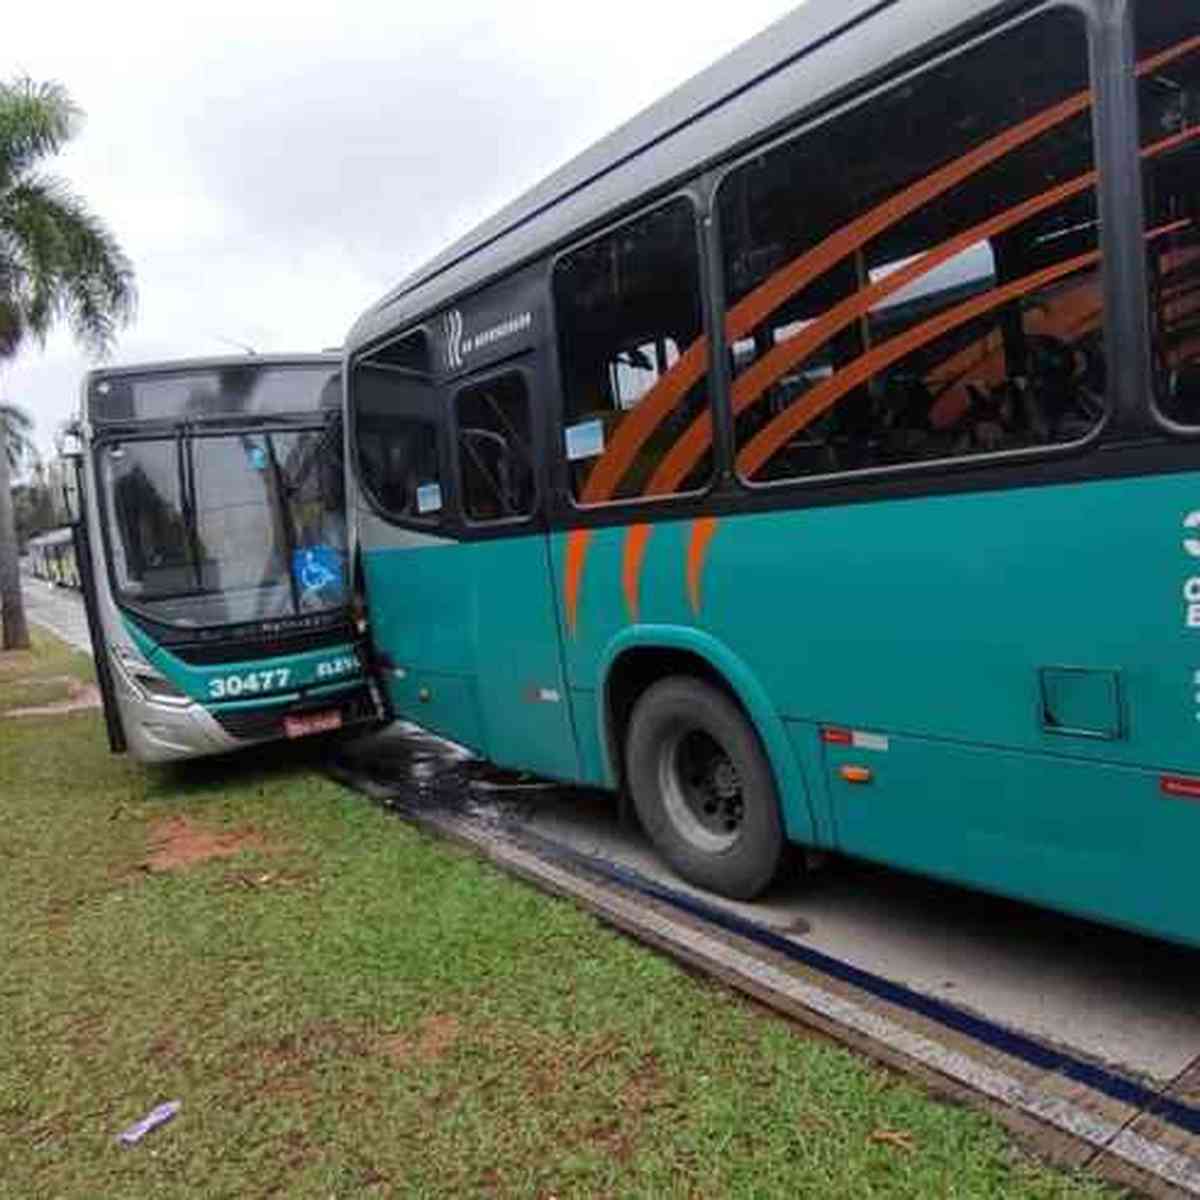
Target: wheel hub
pixel 703 791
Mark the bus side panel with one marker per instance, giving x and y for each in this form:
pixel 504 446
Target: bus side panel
pixel 523 694
pixel 935 616
pixel 1027 652
pixel 471 635
pixel 1048 829
pixel 420 597
pixel 1000 661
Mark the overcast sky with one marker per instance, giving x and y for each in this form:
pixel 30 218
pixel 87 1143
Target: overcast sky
pixel 272 169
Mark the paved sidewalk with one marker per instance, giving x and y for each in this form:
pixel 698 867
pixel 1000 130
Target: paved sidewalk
pixel 59 610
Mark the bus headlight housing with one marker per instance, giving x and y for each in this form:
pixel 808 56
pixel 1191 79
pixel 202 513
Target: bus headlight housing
pixel 152 682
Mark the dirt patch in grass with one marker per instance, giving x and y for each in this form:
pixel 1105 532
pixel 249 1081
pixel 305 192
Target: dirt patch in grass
pixel 177 843
pixel 14 661
pixel 77 696
pixel 431 1041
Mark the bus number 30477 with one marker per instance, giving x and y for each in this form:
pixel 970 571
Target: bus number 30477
pixel 248 684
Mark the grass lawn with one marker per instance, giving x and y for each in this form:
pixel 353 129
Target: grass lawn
pixel 346 1008
pixel 43 675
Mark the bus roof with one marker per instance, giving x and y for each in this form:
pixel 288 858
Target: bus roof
pixel 213 363
pixel 132 376
pixel 792 66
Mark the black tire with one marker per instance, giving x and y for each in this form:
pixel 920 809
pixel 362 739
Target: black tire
pixel 703 788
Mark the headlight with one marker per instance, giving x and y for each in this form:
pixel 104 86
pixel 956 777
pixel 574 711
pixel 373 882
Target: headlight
pixel 158 686
pixel 151 681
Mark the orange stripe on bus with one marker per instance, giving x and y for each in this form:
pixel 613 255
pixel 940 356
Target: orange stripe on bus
pixel 752 383
pixel 695 441
pixel 773 365
pixel 636 537
pixel 640 422
pixel 660 401
pixel 793 278
pixel 692 445
pixel 577 546
pixel 763 446
pixel 768 440
pixel 703 531
pixel 796 275
pixel 1171 54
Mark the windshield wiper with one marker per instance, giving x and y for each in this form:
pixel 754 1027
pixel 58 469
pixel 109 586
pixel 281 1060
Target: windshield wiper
pixel 187 499
pixel 285 519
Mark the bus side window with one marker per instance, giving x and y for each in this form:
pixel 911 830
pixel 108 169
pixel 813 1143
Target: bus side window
pixel 495 449
pixel 1169 102
pixel 938 298
pixel 393 403
pixel 632 342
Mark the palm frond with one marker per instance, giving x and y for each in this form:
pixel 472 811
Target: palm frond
pixel 16 429
pixel 63 263
pixel 16 417
pixel 36 120
pixel 12 325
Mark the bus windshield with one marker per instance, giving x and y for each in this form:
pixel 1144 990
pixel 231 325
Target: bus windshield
pixel 224 528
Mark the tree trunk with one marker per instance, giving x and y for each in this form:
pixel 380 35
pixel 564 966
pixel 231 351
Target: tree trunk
pixel 12 603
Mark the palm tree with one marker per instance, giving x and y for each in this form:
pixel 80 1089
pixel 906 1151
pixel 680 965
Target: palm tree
pixel 58 262
pixel 18 442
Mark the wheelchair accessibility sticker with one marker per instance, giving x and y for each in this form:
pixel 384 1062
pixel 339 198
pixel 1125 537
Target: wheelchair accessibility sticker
pixel 320 573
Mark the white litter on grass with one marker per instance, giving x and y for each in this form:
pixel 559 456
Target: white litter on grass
pixel 152 1120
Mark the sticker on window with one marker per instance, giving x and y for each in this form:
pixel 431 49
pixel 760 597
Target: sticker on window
pixel 320 574
pixel 585 440
pixel 429 498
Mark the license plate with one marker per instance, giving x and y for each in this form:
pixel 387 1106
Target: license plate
pixel 310 723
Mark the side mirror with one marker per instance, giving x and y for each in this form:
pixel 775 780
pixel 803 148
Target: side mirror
pixel 69 444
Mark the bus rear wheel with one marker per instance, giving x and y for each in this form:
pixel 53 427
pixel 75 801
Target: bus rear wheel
pixel 703 788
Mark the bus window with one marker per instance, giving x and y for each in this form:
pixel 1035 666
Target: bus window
pixel 395 433
pixel 936 298
pixel 151 545
pixel 242 550
pixel 1169 97
pixel 634 358
pixel 265 504
pixel 495 449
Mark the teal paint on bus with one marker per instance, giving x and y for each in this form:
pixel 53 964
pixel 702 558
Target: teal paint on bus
pixel 1097 840
pixel 286 698
pixel 944 624
pixel 595 767
pixel 472 632
pixel 278 679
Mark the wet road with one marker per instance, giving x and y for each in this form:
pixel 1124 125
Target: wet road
pixel 59 610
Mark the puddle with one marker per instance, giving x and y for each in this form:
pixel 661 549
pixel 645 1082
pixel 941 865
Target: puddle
pixel 411 769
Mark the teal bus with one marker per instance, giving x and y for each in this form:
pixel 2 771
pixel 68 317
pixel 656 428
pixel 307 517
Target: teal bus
pixel 214 553
pixel 814 460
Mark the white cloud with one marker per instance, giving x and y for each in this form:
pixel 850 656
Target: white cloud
pixel 271 169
